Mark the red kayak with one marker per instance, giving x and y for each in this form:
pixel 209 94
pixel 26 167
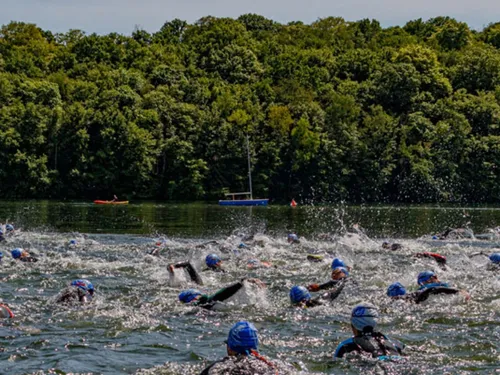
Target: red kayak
pixel 110 202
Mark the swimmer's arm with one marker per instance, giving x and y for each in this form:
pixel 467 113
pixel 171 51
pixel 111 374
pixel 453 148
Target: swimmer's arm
pixel 328 285
pixel 335 293
pixel 424 294
pixel 225 293
pixel 191 271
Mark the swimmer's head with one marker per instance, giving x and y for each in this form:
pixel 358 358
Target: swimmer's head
pixel 251 263
pixel 84 285
pixel 242 339
pixel 9 227
pixel 292 237
pixel 5 312
pixel 73 242
pixel 299 294
pixel 339 273
pixel 495 258
pixel 364 317
pixel 338 263
pixel 189 295
pixel 386 245
pixel 213 261
pixel 396 289
pixel 426 277
pixel 17 253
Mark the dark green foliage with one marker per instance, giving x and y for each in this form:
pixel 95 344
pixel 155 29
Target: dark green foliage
pixel 334 110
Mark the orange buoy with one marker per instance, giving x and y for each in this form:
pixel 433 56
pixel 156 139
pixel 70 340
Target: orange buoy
pixel 293 203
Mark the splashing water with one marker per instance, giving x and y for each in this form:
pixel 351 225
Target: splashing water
pixel 137 324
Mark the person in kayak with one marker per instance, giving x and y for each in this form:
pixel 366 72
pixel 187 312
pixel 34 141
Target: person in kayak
pixel 79 291
pixel 300 296
pixel 243 358
pixel 440 259
pixel 23 256
pixel 196 298
pixel 340 274
pixel 214 263
pixel 367 341
pixel 115 199
pixel 188 268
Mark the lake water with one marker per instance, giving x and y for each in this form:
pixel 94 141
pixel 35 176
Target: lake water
pixel 137 325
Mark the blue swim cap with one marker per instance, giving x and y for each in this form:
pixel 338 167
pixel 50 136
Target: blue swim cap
pixel 9 227
pixel 211 260
pixel 292 237
pixel 72 242
pixel 253 262
pixel 338 263
pixel 424 276
pixel 299 294
pixel 16 253
pixel 1 255
pixel 396 289
pixel 187 296
pixel 495 258
pixel 364 316
pixel 243 337
pixel 84 285
pixel 242 245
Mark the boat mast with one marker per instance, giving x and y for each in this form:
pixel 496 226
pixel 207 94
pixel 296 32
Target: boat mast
pixel 249 168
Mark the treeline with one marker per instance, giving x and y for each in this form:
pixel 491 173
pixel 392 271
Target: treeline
pixel 334 110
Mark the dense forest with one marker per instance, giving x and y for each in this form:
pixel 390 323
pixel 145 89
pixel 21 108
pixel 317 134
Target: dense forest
pixel 334 110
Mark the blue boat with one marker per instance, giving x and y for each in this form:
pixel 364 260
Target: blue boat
pixel 235 201
pixel 242 202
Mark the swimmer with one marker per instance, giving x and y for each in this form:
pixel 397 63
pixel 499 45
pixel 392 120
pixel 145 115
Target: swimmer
pixel 255 264
pixel 429 280
pixel 300 297
pixel 440 259
pixel 340 275
pixel 5 311
pixel 293 238
pixel 494 261
pixel 393 247
pixel 196 298
pixel 366 340
pixel 79 291
pixel 214 263
pixel 9 229
pixel 398 292
pixel 242 346
pixel 188 267
pixel 23 256
pixel 454 234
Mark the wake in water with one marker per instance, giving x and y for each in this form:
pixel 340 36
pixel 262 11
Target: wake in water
pixel 136 322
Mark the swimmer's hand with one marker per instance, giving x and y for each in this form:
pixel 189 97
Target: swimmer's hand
pixel 466 295
pixel 313 287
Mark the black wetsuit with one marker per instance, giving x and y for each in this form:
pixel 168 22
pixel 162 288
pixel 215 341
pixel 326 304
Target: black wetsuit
pixel 72 295
pixel 423 294
pixel 375 344
pixel 247 365
pixel 191 271
pixel 28 259
pixel 208 302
